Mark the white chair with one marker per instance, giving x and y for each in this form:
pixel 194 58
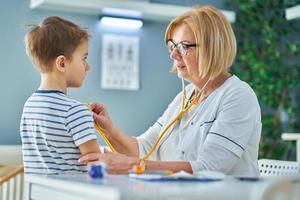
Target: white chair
pixel 268 167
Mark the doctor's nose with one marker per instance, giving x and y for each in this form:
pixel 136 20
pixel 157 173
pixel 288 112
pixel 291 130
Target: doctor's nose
pixel 175 54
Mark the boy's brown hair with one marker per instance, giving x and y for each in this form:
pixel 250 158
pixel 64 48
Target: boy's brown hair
pixel 53 37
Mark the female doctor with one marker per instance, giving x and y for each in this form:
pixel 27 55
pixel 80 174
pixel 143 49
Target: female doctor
pixel 216 118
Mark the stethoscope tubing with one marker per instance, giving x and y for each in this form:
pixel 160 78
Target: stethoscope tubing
pixel 183 110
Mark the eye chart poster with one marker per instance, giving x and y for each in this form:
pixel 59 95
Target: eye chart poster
pixel 120 62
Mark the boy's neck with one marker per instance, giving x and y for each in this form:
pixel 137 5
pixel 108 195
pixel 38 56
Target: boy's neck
pixel 51 81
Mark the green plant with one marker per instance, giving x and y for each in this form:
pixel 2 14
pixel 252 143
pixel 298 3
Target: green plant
pixel 268 58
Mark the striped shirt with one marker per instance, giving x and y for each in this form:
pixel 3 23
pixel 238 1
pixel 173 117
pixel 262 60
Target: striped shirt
pixel 52 128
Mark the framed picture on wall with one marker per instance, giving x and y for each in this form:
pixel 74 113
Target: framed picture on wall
pixel 120 62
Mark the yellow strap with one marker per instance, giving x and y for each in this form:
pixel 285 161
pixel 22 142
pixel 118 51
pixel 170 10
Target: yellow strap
pixel 178 116
pixel 101 133
pixel 161 135
pixel 104 137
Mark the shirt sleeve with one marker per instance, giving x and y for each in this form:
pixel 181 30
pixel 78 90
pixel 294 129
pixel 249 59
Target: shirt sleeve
pixel 236 120
pixel 214 158
pixel 80 124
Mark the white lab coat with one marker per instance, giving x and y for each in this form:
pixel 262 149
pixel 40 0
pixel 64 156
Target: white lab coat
pixel 221 133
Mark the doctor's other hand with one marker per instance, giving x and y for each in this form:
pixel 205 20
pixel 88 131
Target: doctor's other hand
pixel 116 163
pixel 101 116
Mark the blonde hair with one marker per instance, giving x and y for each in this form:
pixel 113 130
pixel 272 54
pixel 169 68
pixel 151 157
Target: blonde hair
pixel 54 37
pixel 213 34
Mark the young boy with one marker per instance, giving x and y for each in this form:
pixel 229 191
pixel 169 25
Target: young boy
pixel 55 129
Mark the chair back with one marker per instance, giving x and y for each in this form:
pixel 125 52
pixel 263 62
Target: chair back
pixel 268 167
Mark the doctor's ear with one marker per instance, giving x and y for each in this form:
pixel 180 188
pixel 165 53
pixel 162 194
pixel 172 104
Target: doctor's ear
pixel 60 62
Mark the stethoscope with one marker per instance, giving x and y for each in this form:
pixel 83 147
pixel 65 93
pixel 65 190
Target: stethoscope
pixel 184 108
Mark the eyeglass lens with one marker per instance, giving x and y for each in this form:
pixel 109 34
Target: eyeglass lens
pixel 182 48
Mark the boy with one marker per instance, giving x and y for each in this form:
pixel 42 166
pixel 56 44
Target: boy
pixel 55 129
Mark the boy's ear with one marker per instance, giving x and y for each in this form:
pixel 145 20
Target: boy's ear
pixel 60 62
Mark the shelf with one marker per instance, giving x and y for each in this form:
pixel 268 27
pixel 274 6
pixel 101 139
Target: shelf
pixel 292 12
pixel 290 136
pixel 293 137
pixel 140 9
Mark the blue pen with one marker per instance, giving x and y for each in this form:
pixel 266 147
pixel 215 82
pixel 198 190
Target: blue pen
pixel 248 178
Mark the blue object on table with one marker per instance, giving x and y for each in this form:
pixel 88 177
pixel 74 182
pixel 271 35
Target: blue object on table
pixel 96 170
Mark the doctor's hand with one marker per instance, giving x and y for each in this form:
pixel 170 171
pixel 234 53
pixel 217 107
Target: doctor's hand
pixel 101 116
pixel 116 163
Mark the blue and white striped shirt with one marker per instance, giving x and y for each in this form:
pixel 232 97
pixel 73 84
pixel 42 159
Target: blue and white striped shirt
pixel 52 128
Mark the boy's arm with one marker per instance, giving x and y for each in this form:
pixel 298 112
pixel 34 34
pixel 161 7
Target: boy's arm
pixel 89 147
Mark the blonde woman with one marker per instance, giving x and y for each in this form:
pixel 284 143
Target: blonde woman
pixel 220 123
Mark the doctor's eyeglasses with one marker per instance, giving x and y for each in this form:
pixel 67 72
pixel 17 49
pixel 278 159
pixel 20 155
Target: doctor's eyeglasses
pixel 181 47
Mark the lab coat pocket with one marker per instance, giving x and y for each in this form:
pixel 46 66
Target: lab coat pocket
pixel 195 138
pixel 204 129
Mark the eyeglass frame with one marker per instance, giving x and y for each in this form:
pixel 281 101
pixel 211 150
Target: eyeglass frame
pixel 180 47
